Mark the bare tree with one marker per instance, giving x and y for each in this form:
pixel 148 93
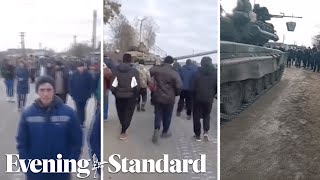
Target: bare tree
pixel 148 30
pixel 80 50
pixel 316 40
pixel 111 9
pixel 124 35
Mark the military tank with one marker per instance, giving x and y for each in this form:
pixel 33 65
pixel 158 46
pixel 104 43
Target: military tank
pixel 247 68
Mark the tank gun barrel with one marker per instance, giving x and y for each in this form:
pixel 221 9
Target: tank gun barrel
pixel 282 16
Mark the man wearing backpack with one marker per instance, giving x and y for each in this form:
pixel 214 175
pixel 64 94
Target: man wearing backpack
pixel 125 86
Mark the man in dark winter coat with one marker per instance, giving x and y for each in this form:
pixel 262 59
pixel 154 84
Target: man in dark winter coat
pixel 22 75
pixel 81 86
pixel 125 85
pixel 8 72
pixel 48 128
pixel 204 90
pixel 168 86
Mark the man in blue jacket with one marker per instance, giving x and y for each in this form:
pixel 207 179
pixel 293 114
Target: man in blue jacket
pixel 81 87
pixel 186 74
pixel 47 128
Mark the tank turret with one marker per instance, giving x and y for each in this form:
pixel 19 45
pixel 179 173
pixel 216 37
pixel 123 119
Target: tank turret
pixel 249 26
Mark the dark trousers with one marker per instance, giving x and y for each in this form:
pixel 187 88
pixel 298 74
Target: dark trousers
pixel 201 110
pixel 316 67
pixel 163 113
pixel 142 95
pixel 63 97
pixel 9 87
pixel 185 99
pixel 125 109
pixel 22 99
pixel 289 63
pixel 33 75
pixel 81 110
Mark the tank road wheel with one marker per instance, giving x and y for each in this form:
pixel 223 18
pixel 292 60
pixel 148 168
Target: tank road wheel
pixel 259 85
pixel 249 90
pixel 274 77
pixel 277 75
pixel 266 81
pixel 231 97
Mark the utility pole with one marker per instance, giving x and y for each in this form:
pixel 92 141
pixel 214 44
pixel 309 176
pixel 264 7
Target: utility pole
pixel 94 29
pixel 141 21
pixel 74 40
pixel 22 35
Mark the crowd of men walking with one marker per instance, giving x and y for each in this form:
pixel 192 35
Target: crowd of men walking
pixel 308 58
pixel 130 82
pixel 48 126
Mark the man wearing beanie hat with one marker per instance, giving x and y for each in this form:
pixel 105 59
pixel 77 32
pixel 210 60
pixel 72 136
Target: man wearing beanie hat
pixel 125 85
pixel 47 128
pixel 204 87
pixel 168 86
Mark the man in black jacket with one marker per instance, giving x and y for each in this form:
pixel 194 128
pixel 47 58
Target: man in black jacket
pixel 204 87
pixel 125 85
pixel 8 73
pixel 168 86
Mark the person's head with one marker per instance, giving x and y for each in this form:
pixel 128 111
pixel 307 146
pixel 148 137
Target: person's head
pixel 127 58
pixel 188 62
pixel 45 90
pixel 206 61
pixel 80 67
pixel 58 64
pixel 22 64
pixel 168 60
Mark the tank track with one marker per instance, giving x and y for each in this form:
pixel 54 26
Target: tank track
pixel 228 117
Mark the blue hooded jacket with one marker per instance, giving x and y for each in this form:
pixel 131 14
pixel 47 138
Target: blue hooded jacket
pixel 81 86
pixel 22 76
pixel 186 74
pixel 45 132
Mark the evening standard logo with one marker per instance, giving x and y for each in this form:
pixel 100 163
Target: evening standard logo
pixel 59 165
pixel 115 165
pixel 163 165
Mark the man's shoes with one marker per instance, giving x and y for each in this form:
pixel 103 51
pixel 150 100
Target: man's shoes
pixel 206 136
pixel 123 136
pixel 166 135
pixel 155 136
pixel 197 138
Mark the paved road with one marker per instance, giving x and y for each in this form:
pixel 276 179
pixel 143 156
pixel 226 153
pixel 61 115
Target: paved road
pixel 278 136
pixel 8 129
pixel 139 146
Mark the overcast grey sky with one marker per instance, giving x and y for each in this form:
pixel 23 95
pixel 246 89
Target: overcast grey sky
pixel 184 25
pixel 306 27
pixel 52 23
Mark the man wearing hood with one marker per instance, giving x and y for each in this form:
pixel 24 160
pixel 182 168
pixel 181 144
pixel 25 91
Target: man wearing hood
pixel 186 73
pixel 47 128
pixel 204 88
pixel 125 86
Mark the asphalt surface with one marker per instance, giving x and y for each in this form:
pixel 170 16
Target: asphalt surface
pixel 277 137
pixel 8 129
pixel 139 146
